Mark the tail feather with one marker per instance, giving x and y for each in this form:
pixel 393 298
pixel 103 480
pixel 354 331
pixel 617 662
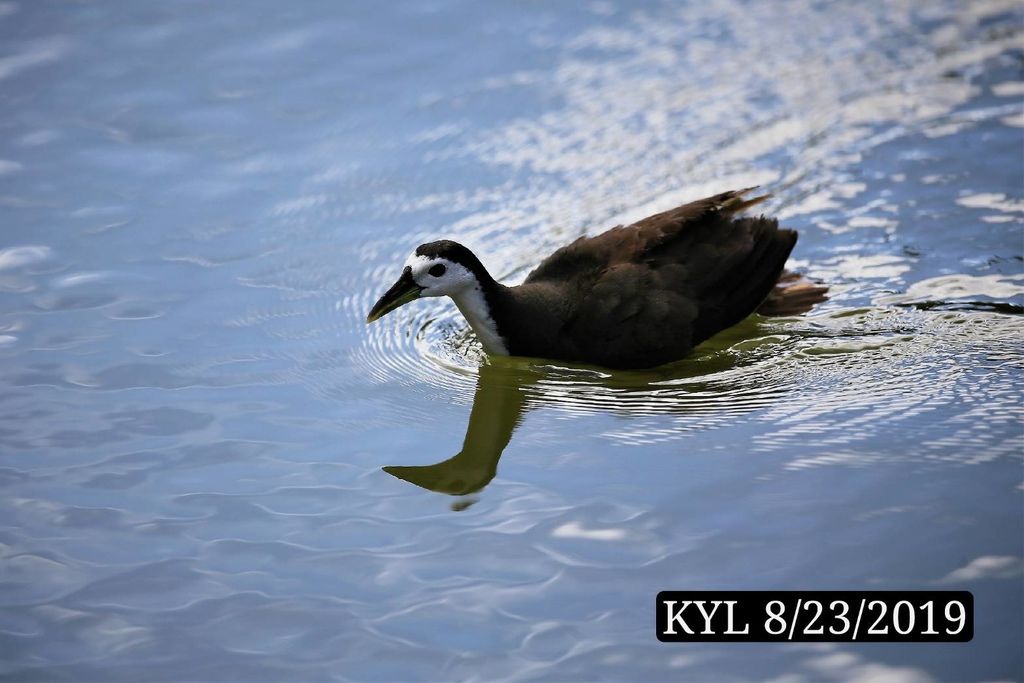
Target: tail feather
pixel 735 202
pixel 741 206
pixel 793 295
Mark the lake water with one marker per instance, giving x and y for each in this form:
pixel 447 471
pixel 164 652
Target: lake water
pixel 199 202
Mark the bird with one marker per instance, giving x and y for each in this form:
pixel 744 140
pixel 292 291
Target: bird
pixel 636 296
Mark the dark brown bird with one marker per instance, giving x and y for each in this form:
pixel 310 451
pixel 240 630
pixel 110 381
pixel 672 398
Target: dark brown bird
pixel 635 296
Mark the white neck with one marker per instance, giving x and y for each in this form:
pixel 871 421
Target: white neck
pixel 473 305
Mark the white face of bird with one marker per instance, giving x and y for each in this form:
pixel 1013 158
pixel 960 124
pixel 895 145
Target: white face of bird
pixel 424 276
pixel 437 276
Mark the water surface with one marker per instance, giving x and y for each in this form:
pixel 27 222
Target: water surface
pixel 200 202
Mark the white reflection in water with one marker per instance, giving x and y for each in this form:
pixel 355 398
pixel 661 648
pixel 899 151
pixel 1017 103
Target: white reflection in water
pixel 987 567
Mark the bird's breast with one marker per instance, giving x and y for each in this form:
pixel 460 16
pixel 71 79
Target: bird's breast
pixel 476 310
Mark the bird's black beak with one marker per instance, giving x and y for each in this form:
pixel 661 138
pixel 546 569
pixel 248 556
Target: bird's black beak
pixel 401 293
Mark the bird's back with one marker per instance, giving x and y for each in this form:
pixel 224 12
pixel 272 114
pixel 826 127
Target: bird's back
pixel 645 294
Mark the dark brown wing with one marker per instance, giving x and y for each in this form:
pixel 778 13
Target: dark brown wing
pixel 648 293
pixel 629 243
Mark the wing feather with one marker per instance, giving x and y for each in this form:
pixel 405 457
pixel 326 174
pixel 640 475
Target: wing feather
pixel 645 294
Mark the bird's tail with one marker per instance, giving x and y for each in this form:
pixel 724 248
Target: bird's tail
pixel 735 201
pixel 793 295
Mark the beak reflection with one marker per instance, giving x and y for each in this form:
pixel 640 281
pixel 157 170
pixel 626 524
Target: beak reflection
pixel 497 410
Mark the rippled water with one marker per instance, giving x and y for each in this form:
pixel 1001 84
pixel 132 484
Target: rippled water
pixel 199 204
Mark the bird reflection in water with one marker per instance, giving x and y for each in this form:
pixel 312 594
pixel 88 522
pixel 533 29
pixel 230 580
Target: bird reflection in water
pixel 716 382
pixel 498 407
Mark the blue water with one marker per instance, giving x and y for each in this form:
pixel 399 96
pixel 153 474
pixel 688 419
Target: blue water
pixel 199 202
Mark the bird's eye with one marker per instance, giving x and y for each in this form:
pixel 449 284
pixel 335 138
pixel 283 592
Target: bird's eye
pixel 437 270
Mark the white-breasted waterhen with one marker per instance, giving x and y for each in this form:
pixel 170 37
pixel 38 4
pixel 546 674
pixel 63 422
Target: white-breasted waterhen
pixel 636 296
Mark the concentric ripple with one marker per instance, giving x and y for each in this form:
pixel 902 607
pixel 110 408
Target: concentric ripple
pixel 837 377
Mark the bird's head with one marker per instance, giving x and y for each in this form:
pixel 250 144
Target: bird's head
pixel 442 268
